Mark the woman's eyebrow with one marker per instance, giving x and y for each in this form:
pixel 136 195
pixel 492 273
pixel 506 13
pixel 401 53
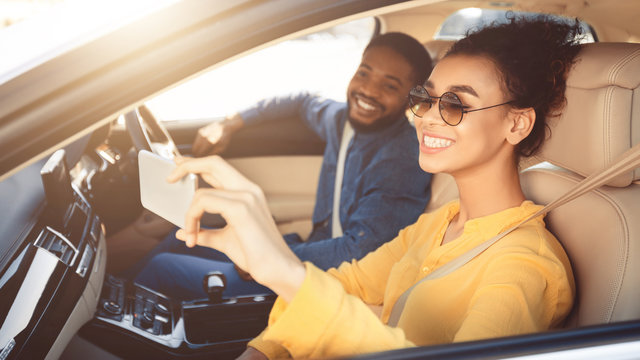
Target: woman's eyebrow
pixel 455 88
pixel 463 88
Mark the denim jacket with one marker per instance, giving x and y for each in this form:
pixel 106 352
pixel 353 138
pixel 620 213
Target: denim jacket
pixel 383 188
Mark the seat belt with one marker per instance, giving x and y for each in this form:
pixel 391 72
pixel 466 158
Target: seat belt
pixel 347 135
pixel 628 161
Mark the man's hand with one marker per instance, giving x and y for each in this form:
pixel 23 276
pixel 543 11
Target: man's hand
pixel 252 354
pixel 215 137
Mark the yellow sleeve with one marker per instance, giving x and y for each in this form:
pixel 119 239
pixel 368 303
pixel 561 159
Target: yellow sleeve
pixel 520 293
pixel 322 320
pixel 270 349
pixel 367 278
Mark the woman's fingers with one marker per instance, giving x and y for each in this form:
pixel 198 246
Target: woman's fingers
pixel 205 167
pixel 251 239
pixel 213 238
pixel 215 171
pixel 231 205
pixel 190 165
pixel 237 208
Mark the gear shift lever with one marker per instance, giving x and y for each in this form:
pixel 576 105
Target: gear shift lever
pixel 214 284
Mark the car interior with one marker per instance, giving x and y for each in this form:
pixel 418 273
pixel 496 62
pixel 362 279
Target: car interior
pixel 60 288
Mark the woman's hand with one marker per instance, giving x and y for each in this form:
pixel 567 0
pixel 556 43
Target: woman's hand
pixel 251 238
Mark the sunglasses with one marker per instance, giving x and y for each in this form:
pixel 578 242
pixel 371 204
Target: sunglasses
pixel 449 105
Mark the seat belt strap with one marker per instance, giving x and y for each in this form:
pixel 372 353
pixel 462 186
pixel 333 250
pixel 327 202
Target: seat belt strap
pixel 628 161
pixel 347 135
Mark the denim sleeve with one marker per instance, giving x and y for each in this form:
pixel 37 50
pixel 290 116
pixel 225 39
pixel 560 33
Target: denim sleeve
pixel 396 193
pixel 318 113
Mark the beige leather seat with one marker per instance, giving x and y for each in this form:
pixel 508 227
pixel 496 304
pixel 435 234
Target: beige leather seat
pixel 600 230
pixel 437 49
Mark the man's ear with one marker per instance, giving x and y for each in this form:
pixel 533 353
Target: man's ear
pixel 521 124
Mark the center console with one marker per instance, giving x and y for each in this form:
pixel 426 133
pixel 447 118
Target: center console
pixel 138 310
pixel 136 321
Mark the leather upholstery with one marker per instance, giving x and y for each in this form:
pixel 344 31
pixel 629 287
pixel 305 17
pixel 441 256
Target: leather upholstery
pixel 602 99
pixel 599 230
pixel 601 233
pixel 437 49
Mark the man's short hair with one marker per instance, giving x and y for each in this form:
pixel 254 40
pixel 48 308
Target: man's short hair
pixel 410 49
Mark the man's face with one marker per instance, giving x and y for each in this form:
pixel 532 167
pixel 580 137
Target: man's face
pixel 377 93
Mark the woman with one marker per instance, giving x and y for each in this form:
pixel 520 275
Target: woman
pixel 484 106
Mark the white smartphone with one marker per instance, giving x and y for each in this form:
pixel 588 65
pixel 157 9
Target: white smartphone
pixel 169 201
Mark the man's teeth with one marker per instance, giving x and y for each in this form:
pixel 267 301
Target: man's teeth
pixel 433 142
pixel 365 106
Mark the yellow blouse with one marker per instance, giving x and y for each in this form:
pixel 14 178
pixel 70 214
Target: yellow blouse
pixel 521 284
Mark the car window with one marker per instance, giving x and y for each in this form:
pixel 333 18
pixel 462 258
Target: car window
pixel 322 62
pixel 32 32
pixel 456 26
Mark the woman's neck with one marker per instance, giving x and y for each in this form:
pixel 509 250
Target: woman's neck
pixel 483 192
pixel 482 196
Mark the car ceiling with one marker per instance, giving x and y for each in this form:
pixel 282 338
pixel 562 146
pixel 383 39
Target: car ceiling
pixel 612 20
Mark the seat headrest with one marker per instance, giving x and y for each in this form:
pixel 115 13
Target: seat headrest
pixel 601 119
pixel 437 49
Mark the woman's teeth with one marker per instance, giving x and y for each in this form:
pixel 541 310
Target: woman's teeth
pixel 434 142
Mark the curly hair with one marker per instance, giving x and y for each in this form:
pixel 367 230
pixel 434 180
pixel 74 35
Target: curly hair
pixel 533 56
pixel 410 49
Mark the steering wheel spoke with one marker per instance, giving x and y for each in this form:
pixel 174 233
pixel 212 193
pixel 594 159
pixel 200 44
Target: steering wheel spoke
pixel 147 133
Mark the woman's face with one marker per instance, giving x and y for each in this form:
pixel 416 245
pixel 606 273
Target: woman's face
pixel 479 140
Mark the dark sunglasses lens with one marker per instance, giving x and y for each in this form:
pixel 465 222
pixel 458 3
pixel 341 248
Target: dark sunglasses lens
pixel 450 108
pixel 418 97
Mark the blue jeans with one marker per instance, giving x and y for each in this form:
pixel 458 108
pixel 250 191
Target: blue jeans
pixel 177 271
pixel 180 277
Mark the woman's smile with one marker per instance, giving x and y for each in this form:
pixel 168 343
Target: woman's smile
pixel 432 143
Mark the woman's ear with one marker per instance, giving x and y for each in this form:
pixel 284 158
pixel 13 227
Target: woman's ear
pixel 521 122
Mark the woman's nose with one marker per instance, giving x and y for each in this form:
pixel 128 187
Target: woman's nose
pixel 433 117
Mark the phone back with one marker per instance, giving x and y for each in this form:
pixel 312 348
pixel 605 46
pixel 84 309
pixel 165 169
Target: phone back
pixel 169 201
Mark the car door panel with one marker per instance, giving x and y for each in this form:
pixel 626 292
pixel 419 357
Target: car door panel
pixel 289 184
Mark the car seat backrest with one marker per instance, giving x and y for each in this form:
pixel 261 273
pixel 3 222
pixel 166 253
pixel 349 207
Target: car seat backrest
pixel 601 229
pixel 437 49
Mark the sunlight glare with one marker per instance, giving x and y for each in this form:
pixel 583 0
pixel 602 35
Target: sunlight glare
pixel 64 26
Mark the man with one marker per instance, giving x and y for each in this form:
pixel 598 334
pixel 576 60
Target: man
pixel 381 188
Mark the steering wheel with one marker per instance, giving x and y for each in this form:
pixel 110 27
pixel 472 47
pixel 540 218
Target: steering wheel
pixel 147 133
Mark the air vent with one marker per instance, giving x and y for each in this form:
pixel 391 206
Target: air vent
pixel 81 202
pixel 57 244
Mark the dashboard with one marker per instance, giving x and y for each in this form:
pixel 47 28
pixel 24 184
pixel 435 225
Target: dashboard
pixel 53 259
pixel 57 215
